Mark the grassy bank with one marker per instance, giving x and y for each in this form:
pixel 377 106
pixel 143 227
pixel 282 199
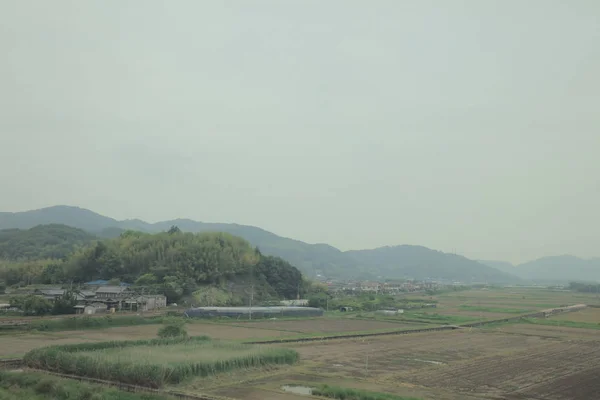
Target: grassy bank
pixel 557 322
pixel 156 362
pixel 496 309
pixel 336 392
pixel 85 322
pixel 39 386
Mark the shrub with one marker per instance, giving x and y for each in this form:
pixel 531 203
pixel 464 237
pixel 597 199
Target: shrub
pixel 174 327
pixel 336 392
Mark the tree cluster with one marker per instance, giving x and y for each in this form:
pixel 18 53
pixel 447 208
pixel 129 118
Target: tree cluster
pixel 42 242
pixel 585 287
pixel 173 263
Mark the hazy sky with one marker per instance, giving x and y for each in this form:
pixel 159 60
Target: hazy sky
pixel 467 126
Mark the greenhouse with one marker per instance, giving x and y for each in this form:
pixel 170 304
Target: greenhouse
pixel 254 312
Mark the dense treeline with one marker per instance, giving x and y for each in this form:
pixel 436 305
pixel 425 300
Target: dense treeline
pixel 585 287
pixel 42 242
pixel 174 263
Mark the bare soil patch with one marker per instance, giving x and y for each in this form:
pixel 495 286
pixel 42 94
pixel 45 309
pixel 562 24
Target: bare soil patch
pixel 588 315
pixel 549 331
pixel 389 356
pixel 502 374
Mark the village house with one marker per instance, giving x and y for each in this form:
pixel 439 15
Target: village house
pixel 112 292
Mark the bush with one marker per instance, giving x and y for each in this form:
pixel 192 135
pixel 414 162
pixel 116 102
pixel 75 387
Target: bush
pixel 25 385
pixel 336 392
pixel 173 328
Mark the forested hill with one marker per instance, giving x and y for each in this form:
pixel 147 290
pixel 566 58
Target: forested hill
pixel 174 263
pixel 42 242
pixel 312 259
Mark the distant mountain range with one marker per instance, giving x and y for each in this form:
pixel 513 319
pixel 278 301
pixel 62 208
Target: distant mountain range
pixel 552 269
pixel 403 261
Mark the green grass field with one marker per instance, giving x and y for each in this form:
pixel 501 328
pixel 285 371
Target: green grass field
pixel 190 351
pixel 156 362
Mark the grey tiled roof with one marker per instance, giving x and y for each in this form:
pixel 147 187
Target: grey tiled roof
pixel 111 289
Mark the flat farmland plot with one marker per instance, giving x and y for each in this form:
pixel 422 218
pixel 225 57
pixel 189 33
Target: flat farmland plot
pixel 583 384
pixel 502 374
pixel 587 315
pixel 386 357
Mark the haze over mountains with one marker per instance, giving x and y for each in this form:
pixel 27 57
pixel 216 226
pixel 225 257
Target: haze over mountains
pixel 552 269
pixel 403 261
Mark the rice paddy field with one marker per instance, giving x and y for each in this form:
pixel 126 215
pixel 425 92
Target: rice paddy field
pixel 555 358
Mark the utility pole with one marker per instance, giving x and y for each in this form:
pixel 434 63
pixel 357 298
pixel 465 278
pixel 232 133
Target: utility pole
pixel 251 290
pixel 251 298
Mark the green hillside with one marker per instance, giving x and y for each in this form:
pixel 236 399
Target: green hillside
pixel 42 242
pixel 312 259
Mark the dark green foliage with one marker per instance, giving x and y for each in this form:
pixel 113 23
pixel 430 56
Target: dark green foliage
pixel 68 359
pixel 42 242
pixel 284 279
pixel 29 272
pixel 319 300
pixel 336 392
pixel 173 328
pixel 31 305
pixel 65 304
pixel 585 287
pixel 176 263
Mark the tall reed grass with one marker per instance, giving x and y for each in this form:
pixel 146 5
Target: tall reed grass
pixel 37 385
pixel 100 360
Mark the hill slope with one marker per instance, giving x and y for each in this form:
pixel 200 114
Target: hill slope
pixel 42 242
pixel 503 266
pixel 560 268
pixel 312 259
pixel 421 263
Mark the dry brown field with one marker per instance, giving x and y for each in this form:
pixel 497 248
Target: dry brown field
pixel 589 315
pixel 451 365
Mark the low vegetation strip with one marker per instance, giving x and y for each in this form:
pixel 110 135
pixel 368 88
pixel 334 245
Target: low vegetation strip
pixel 557 322
pixel 351 335
pixel 82 323
pixel 154 363
pixel 495 309
pixel 336 392
pixel 40 386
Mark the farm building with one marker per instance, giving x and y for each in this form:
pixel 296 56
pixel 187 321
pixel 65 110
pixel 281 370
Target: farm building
pixel 256 312
pixel 390 312
pixel 112 292
pixel 299 302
